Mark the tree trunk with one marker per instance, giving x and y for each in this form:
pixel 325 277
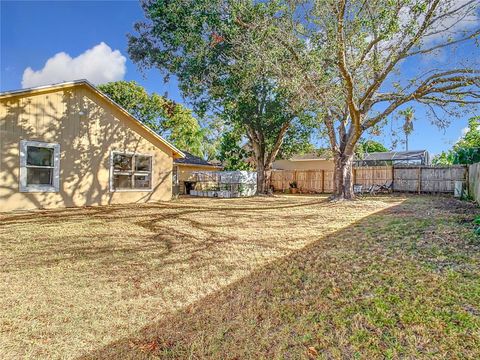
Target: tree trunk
pixel 263 178
pixel 263 159
pixel 343 177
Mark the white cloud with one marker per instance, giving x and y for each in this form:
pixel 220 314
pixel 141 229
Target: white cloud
pixel 98 65
pixel 465 19
pixel 463 132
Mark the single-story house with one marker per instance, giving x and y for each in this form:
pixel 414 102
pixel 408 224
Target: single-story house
pixel 309 161
pixel 68 144
pixel 184 171
pixel 323 161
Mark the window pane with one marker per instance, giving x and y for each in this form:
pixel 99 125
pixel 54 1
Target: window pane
pixel 142 181
pixel 122 182
pixel 39 176
pixel 142 163
pixel 122 162
pixel 39 156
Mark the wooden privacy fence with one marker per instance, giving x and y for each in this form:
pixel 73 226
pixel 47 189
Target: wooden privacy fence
pixel 316 181
pixel 474 181
pixel 436 179
pixel 321 181
pixel 405 178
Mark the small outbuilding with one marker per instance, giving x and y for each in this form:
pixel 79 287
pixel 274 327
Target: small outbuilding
pixel 317 160
pixel 69 145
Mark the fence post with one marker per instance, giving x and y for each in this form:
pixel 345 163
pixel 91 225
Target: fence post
pixel 419 185
pixel 323 181
pixel 467 182
pixel 393 178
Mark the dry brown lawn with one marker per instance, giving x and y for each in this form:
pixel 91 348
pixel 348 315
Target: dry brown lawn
pixel 281 277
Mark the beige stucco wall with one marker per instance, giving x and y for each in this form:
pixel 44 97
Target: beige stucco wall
pixel 303 165
pixel 86 142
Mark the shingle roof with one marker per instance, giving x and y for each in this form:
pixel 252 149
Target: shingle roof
pixel 191 159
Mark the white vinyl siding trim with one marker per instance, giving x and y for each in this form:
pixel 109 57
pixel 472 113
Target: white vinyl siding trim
pixel 55 186
pixel 133 173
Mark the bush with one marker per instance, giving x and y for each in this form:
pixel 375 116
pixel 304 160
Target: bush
pixel 477 223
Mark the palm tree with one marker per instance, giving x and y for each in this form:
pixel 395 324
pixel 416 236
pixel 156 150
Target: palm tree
pixel 408 115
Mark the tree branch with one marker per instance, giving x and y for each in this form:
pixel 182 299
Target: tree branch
pixel 342 64
pixel 278 143
pixel 395 59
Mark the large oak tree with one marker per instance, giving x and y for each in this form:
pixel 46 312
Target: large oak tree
pixel 201 43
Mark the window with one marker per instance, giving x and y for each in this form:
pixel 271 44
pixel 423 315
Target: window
pixel 39 166
pixel 131 172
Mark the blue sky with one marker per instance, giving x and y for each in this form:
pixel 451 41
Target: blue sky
pixel 33 32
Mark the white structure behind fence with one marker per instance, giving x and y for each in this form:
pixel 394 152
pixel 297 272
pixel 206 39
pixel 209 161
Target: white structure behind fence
pixel 224 184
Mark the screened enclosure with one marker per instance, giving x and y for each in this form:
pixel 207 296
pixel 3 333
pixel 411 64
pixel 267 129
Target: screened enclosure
pixel 419 157
pixel 223 184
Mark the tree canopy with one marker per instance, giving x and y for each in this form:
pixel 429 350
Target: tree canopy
pixel 200 42
pixel 173 121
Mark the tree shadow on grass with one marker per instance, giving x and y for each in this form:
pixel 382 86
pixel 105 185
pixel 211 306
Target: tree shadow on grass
pixel 47 216
pixel 369 290
pixel 163 237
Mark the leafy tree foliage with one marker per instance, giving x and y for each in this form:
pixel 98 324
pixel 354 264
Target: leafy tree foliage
pixel 369 146
pixel 232 153
pixel 298 137
pixel 408 115
pixel 471 139
pixel 200 41
pixel 213 129
pixel 173 121
pixel 236 154
pixel 466 150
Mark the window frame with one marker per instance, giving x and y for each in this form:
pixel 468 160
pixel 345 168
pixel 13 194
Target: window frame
pixel 23 186
pixel 132 172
